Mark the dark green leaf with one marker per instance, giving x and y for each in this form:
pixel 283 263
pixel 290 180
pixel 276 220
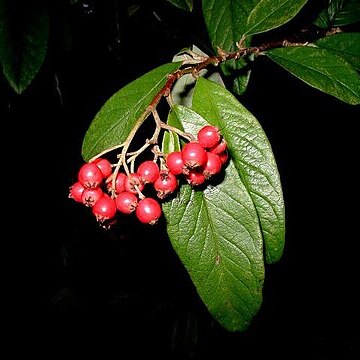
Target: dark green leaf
pixel 24 32
pixel 216 234
pixel 270 14
pixel 347 45
pixel 226 22
pixel 335 7
pixel 253 157
pixel 320 69
pixel 348 14
pixel 322 20
pixel 118 116
pixel 183 4
pixel 171 141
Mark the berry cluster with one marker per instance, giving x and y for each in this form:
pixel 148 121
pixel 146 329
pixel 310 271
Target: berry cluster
pixel 107 192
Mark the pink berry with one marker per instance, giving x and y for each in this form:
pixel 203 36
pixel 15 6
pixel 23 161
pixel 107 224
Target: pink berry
pixel 104 165
pixel 148 211
pixel 91 196
pixel 220 147
pixel 195 178
pixel 148 171
pixel 90 175
pixel 175 162
pixel 119 182
pixel 194 155
pixel 133 183
pixel 76 190
pixel 213 165
pixel 224 156
pixel 104 209
pixel 208 136
pixel 165 184
pixel 126 202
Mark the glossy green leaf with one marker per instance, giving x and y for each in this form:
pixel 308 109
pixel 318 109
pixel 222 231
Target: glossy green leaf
pixel 253 157
pixel 270 14
pixel 24 30
pixel 348 14
pixel 182 4
pixel 320 69
pixel 347 45
pixel 226 22
pixel 216 234
pixel 171 141
pixel 117 117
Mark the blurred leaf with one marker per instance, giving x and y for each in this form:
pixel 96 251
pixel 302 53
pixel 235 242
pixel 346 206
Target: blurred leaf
pixel 253 158
pixel 226 22
pixel 24 30
pixel 118 116
pixel 182 4
pixel 348 14
pixel 270 14
pixel 216 234
pixel 347 45
pixel 320 69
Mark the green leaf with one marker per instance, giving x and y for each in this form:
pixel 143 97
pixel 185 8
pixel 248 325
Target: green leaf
pixel 347 45
pixel 253 157
pixel 348 14
pixel 182 4
pixel 226 22
pixel 118 116
pixel 216 234
pixel 171 141
pixel 320 69
pixel 270 14
pixel 24 30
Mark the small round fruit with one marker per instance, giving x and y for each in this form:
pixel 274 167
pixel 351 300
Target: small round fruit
pixel 133 183
pixel 90 175
pixel 224 156
pixel 119 183
pixel 208 136
pixel 175 162
pixel 91 196
pixel 213 165
pixel 148 171
pixel 148 211
pixel 195 178
pixel 220 147
pixel 75 191
pixel 194 155
pixel 104 209
pixel 126 202
pixel 165 184
pixel 104 165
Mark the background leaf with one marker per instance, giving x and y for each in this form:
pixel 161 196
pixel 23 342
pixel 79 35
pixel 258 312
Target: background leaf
pixel 182 4
pixel 216 234
pixel 347 14
pixel 117 117
pixel 347 45
pixel 270 14
pixel 226 23
pixel 24 30
pixel 320 69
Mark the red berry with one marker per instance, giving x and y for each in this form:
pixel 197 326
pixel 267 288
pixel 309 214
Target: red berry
pixel 104 209
pixel 91 196
pixel 76 190
pixel 104 165
pixel 213 165
pixel 148 171
pixel 194 155
pixel 224 157
pixel 126 202
pixel 208 136
pixel 165 184
pixel 195 178
pixel 119 182
pixel 219 148
pixel 90 175
pixel 175 162
pixel 133 183
pixel 148 211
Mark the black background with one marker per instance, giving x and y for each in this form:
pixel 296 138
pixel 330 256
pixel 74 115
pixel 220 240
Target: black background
pixel 77 289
